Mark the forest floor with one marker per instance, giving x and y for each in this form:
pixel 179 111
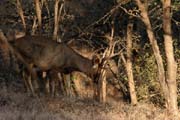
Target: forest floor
pixel 16 104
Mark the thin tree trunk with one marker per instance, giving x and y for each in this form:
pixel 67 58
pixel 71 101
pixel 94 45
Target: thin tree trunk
pixel 38 13
pixel 155 47
pixel 129 65
pixel 102 78
pixel 102 85
pixel 56 26
pixel 21 13
pixel 168 82
pixel 57 14
pixel 34 26
pixel 171 63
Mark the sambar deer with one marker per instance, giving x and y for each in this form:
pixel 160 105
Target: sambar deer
pixel 83 86
pixel 48 55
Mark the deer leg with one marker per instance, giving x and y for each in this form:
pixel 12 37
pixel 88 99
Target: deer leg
pixel 53 87
pixel 58 84
pixel 54 80
pixel 29 70
pixel 64 79
pixel 34 80
pixel 62 84
pixel 47 86
pixel 47 83
pixel 28 82
pixel 24 77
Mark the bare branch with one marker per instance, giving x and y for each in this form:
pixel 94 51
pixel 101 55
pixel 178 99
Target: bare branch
pixel 123 59
pixel 130 12
pixel 21 13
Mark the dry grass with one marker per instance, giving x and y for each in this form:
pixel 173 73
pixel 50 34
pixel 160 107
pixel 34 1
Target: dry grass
pixel 17 105
pixel 75 109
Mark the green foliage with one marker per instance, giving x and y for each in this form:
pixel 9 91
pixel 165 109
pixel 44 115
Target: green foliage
pixel 145 73
pixel 175 5
pixel 146 77
pixel 177 56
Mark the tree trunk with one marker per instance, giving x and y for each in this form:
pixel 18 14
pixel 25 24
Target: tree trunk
pixel 129 65
pixel 38 13
pixel 56 20
pixel 102 79
pixel 102 85
pixel 34 26
pixel 171 63
pixel 57 14
pixel 168 82
pixel 155 47
pixel 21 13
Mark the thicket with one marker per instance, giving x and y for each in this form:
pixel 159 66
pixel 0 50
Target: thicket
pixel 90 22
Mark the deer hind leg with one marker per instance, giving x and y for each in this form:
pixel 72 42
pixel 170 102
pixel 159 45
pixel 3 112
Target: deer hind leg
pixel 50 78
pixel 35 81
pixel 25 81
pixel 47 83
pixel 54 82
pixel 61 83
pixel 32 80
pixel 53 88
pixel 28 82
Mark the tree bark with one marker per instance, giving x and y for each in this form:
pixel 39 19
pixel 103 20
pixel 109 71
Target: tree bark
pixel 57 14
pixel 168 83
pixel 171 63
pixel 21 13
pixel 155 47
pixel 56 20
pixel 102 86
pixel 38 13
pixel 129 65
pixel 102 78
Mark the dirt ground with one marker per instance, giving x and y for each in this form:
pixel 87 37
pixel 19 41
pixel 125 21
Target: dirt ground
pixel 16 104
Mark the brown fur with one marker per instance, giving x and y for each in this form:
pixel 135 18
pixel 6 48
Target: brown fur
pixel 48 55
pixel 4 51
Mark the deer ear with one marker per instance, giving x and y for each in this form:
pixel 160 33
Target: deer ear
pixel 3 39
pixel 19 34
pixel 14 34
pixel 96 61
pixel 10 35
